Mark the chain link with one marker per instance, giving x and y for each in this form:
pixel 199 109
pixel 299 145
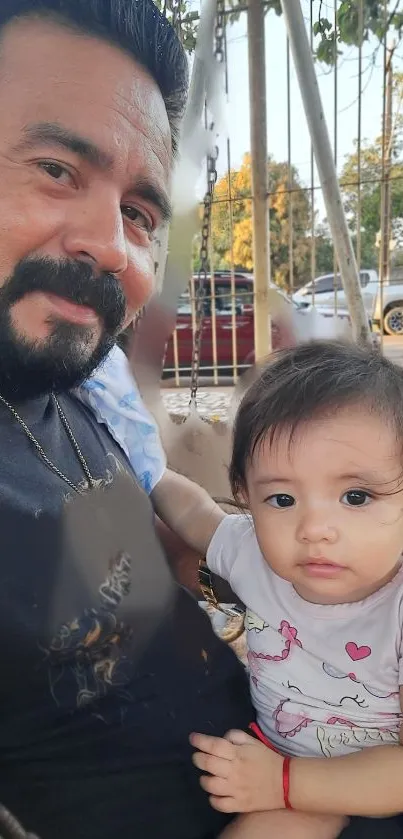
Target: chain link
pixel 42 453
pixel 204 270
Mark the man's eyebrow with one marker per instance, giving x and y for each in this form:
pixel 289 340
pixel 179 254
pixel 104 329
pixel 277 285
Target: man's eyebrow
pixel 143 188
pixel 52 134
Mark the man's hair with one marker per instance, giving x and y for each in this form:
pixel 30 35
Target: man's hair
pixel 310 381
pixel 136 26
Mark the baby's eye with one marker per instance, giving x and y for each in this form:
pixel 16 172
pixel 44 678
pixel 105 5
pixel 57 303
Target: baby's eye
pixel 356 498
pixel 281 500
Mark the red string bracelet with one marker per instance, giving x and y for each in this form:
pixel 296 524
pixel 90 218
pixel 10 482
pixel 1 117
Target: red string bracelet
pixel 286 763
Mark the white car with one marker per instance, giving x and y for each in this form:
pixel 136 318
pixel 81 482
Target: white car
pixel 382 305
pixel 321 292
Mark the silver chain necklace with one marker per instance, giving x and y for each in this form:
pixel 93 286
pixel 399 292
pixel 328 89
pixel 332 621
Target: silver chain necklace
pixel 39 449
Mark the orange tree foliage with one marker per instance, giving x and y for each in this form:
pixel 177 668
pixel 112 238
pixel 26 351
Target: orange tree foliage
pixel 289 208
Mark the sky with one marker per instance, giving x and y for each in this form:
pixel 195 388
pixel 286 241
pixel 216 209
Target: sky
pixel 276 88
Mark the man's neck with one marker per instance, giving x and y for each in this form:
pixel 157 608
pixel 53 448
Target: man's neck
pixel 30 410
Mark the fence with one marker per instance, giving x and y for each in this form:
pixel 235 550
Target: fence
pixel 362 91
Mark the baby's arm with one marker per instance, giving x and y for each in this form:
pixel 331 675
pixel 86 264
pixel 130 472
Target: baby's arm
pixel 366 783
pixel 183 506
pixel 245 776
pixel 284 824
pixel 187 509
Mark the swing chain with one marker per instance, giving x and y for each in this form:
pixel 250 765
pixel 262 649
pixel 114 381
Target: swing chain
pixel 204 270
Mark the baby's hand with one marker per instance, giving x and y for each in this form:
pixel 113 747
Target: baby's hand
pixel 244 775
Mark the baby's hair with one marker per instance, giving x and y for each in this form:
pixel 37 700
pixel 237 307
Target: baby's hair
pixel 310 381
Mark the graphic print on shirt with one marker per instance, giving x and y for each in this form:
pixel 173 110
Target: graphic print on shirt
pixel 335 741
pixel 357 653
pixel 255 659
pixel 91 654
pixel 290 718
pixel 253 622
pixel 334 673
pixel 336 690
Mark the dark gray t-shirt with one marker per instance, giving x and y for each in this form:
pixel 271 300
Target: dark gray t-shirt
pixel 106 666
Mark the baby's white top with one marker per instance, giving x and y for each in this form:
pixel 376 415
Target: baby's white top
pixel 324 679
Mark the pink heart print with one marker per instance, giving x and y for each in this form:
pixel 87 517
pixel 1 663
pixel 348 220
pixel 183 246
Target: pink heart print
pixel 357 653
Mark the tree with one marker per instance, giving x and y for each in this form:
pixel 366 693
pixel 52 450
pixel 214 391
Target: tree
pixel 371 179
pixel 378 18
pixel 284 198
pixel 182 18
pixel 352 29
pixel 324 251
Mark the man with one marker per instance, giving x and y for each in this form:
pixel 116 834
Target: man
pixel 105 666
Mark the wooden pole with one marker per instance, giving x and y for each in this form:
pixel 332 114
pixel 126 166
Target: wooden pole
pixel 387 145
pixel 258 142
pixel 308 85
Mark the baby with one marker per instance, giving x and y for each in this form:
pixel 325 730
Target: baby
pixel 317 457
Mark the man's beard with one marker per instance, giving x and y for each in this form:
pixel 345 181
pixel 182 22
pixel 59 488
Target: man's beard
pixel 30 368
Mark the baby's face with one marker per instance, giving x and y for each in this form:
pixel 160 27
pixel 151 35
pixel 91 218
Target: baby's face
pixel 322 516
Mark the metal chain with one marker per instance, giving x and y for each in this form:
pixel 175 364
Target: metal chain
pixel 219 54
pixel 41 452
pixel 202 274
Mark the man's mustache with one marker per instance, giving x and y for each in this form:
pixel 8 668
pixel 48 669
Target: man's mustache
pixel 73 280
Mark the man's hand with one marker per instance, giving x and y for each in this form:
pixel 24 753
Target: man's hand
pixel 244 775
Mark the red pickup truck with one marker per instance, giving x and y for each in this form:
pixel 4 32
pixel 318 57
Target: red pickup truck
pixel 218 309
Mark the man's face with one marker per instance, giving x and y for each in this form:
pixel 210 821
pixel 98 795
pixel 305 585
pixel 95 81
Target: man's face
pixel 85 161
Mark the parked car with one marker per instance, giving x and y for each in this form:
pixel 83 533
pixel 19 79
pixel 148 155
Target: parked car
pixel 391 304
pixel 219 308
pixel 321 293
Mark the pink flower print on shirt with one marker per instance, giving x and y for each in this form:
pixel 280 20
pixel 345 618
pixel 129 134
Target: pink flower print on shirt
pixel 290 718
pixel 255 659
pixel 289 633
